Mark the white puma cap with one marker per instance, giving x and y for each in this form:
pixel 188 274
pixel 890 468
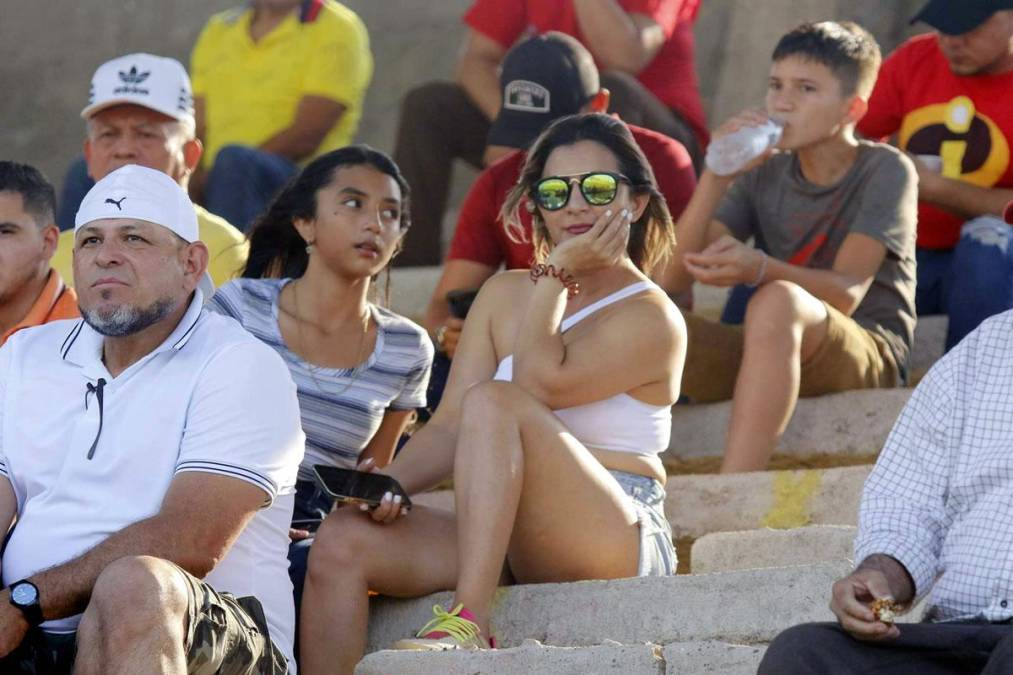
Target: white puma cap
pixel 140 193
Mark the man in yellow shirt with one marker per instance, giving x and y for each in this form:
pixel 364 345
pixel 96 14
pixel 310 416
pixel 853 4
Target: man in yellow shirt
pixel 31 293
pixel 276 83
pixel 141 112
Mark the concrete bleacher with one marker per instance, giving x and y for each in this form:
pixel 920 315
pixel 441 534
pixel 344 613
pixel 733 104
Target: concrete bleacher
pixel 681 658
pixel 852 423
pixel 755 549
pixel 739 607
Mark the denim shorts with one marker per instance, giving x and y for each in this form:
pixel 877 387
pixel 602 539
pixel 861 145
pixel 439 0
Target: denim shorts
pixel 657 552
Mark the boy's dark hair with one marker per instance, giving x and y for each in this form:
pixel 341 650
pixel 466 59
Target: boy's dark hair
pixel 847 49
pixel 38 197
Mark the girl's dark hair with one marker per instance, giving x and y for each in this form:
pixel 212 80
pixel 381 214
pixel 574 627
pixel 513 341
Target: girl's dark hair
pixel 276 248
pixel 652 236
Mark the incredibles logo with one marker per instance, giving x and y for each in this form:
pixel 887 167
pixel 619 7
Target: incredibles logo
pixel 971 146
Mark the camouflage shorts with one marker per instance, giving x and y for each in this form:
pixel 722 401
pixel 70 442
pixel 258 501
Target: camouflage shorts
pixel 227 635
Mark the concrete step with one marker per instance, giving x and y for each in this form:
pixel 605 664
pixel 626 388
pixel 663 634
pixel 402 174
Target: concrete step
pixel 747 607
pixel 699 504
pixel 851 423
pixel 530 657
pixel 752 549
pixel 612 657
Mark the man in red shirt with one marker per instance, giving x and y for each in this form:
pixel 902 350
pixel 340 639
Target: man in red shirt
pixel 543 78
pixel 644 49
pixel 945 96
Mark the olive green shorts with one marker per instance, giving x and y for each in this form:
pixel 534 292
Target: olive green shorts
pixel 850 357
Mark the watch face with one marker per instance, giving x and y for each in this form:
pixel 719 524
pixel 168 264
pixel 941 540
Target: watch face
pixel 24 594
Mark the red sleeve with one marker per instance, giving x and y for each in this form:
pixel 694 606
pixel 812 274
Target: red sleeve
pixel 673 168
pixel 500 20
pixel 665 13
pixel 886 112
pixel 475 239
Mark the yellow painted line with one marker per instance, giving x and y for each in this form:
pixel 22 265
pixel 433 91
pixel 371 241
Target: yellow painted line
pixel 793 492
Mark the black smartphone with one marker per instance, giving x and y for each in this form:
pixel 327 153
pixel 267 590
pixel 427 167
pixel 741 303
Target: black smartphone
pixel 358 487
pixel 308 524
pixel 460 301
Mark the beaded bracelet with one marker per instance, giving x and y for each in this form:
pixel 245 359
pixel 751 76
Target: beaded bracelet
pixel 571 285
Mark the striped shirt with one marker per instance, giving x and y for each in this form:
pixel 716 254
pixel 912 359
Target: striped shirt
pixel 341 408
pixel 940 499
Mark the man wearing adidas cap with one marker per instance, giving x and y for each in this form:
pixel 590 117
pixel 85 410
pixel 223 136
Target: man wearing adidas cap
pixel 149 453
pixel 140 111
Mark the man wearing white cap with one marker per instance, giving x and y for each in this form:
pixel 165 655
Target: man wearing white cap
pixel 140 111
pixel 149 453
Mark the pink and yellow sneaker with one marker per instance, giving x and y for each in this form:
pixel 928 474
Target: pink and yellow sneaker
pixel 455 629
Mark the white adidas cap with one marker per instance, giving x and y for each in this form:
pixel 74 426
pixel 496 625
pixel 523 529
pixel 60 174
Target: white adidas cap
pixel 140 193
pixel 155 82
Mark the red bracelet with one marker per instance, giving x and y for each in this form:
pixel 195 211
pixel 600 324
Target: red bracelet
pixel 571 285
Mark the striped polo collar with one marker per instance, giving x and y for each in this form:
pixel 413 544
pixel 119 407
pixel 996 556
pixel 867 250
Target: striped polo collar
pixel 83 344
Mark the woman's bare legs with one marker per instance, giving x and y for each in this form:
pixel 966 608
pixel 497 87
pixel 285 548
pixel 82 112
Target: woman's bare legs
pixel 413 556
pixel 527 491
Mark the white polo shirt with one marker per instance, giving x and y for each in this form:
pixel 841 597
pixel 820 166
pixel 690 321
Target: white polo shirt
pixel 211 398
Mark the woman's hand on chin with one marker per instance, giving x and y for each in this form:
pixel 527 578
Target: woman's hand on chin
pixel 603 245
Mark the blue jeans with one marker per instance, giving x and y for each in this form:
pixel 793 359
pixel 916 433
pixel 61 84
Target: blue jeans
pixel 243 181
pixel 76 184
pixel 971 282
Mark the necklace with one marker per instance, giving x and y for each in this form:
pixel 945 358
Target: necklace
pixel 312 368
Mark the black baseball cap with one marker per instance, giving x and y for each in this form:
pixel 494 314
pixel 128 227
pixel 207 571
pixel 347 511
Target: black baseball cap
pixel 543 78
pixel 956 17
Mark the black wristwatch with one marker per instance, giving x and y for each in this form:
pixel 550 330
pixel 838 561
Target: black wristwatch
pixel 25 596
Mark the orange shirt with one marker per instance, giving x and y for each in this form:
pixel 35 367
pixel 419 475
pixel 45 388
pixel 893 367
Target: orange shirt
pixel 56 301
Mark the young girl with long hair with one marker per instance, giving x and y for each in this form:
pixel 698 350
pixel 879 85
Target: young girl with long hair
pixel 360 370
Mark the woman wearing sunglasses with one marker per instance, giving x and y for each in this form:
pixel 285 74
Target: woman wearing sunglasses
pixel 556 408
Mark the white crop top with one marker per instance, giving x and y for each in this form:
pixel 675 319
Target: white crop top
pixel 620 423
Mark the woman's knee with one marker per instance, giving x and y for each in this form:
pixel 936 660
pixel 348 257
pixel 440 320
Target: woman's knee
pixel 343 544
pixel 493 401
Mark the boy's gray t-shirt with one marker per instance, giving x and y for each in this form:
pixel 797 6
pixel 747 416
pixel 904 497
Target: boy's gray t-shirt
pixel 804 224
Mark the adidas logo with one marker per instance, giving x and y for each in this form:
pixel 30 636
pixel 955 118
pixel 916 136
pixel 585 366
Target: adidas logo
pixel 134 77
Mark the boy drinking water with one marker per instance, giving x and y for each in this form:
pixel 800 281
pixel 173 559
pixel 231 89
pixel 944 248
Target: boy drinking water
pixel 833 268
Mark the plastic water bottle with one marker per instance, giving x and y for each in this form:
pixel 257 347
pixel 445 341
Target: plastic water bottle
pixel 728 154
